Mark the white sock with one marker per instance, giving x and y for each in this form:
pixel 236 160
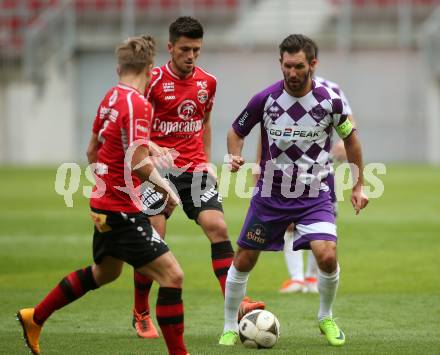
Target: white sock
pixel 327 286
pixel 312 267
pixel 234 293
pixel 294 259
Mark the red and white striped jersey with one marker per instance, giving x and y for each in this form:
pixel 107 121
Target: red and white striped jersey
pixel 180 106
pixel 123 117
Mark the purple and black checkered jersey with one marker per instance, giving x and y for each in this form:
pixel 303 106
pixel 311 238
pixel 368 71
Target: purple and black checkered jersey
pixel 296 136
pixel 336 88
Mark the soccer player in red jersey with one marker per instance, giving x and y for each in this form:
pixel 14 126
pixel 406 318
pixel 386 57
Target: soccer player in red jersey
pixel 183 95
pixel 122 232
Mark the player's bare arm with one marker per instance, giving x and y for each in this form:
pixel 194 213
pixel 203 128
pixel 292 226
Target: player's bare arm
pixel 163 157
pixel 144 168
pixel 207 143
pixel 207 135
pixel 92 149
pixel 235 147
pixel 354 155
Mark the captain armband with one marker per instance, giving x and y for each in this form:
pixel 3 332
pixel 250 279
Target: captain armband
pixel 345 129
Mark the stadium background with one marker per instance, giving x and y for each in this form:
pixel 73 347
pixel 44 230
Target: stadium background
pixel 56 61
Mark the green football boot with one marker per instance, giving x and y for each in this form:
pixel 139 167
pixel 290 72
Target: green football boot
pixel 330 329
pixel 229 338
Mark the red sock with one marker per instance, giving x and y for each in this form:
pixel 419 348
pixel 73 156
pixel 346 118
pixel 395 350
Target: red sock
pixel 72 287
pixel 142 286
pixel 169 314
pixel 222 256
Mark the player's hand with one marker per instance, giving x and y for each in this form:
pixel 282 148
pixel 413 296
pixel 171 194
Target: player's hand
pixel 211 171
pixel 172 202
pixel 358 199
pixel 235 162
pixel 163 158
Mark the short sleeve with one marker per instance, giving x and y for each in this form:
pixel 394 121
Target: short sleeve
pixel 101 116
pixel 210 103
pixel 155 79
pixel 97 123
pixel 250 116
pixel 345 102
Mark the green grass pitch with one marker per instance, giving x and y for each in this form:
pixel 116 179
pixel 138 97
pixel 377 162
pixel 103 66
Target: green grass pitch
pixel 388 301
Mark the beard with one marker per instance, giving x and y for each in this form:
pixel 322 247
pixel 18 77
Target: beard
pixel 300 84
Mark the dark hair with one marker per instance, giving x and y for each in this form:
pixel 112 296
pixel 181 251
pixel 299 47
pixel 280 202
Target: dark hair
pixel 135 53
pixel 297 42
pixel 185 26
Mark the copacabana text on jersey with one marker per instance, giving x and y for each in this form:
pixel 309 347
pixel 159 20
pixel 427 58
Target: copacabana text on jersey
pixel 167 127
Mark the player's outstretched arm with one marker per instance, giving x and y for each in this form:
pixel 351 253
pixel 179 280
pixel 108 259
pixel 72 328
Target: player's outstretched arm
pixel 235 146
pixel 256 176
pixel 207 136
pixel 354 156
pixel 144 168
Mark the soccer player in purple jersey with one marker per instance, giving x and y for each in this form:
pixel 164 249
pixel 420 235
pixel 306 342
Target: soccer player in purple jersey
pixel 307 281
pixel 297 116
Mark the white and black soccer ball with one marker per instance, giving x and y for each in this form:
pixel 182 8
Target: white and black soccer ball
pixel 259 329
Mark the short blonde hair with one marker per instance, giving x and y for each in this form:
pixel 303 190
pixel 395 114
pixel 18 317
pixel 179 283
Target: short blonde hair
pixel 136 53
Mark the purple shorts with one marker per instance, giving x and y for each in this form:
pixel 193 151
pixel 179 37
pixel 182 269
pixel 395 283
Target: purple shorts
pixel 268 217
pixel 331 186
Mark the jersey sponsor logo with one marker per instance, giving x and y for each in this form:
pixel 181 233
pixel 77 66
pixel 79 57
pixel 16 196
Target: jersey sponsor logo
pixel 141 128
pixel 166 127
pixel 113 115
pixel 256 234
pixel 186 109
pixel 107 112
pixel 295 133
pixel 273 112
pixel 170 97
pixel 113 98
pixel 318 113
pixel 155 237
pixel 103 112
pixel 150 196
pixel 243 117
pixel 202 84
pixel 202 96
pixel 209 194
pixel 168 87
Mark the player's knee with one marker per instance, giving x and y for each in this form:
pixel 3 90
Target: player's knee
pixel 105 276
pixel 327 261
pixel 175 277
pixel 244 261
pixel 217 230
pixel 243 265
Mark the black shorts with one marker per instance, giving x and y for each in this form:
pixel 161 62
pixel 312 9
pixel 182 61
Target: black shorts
pixel 128 237
pixel 197 191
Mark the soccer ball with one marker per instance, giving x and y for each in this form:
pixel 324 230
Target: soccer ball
pixel 259 329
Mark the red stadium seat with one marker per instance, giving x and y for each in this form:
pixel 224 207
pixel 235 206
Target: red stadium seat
pixel 231 4
pixel 143 4
pixel 168 4
pixel 15 23
pixel 9 4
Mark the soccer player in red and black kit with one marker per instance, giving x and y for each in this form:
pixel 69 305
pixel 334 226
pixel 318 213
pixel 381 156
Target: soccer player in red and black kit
pixel 122 233
pixel 183 95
